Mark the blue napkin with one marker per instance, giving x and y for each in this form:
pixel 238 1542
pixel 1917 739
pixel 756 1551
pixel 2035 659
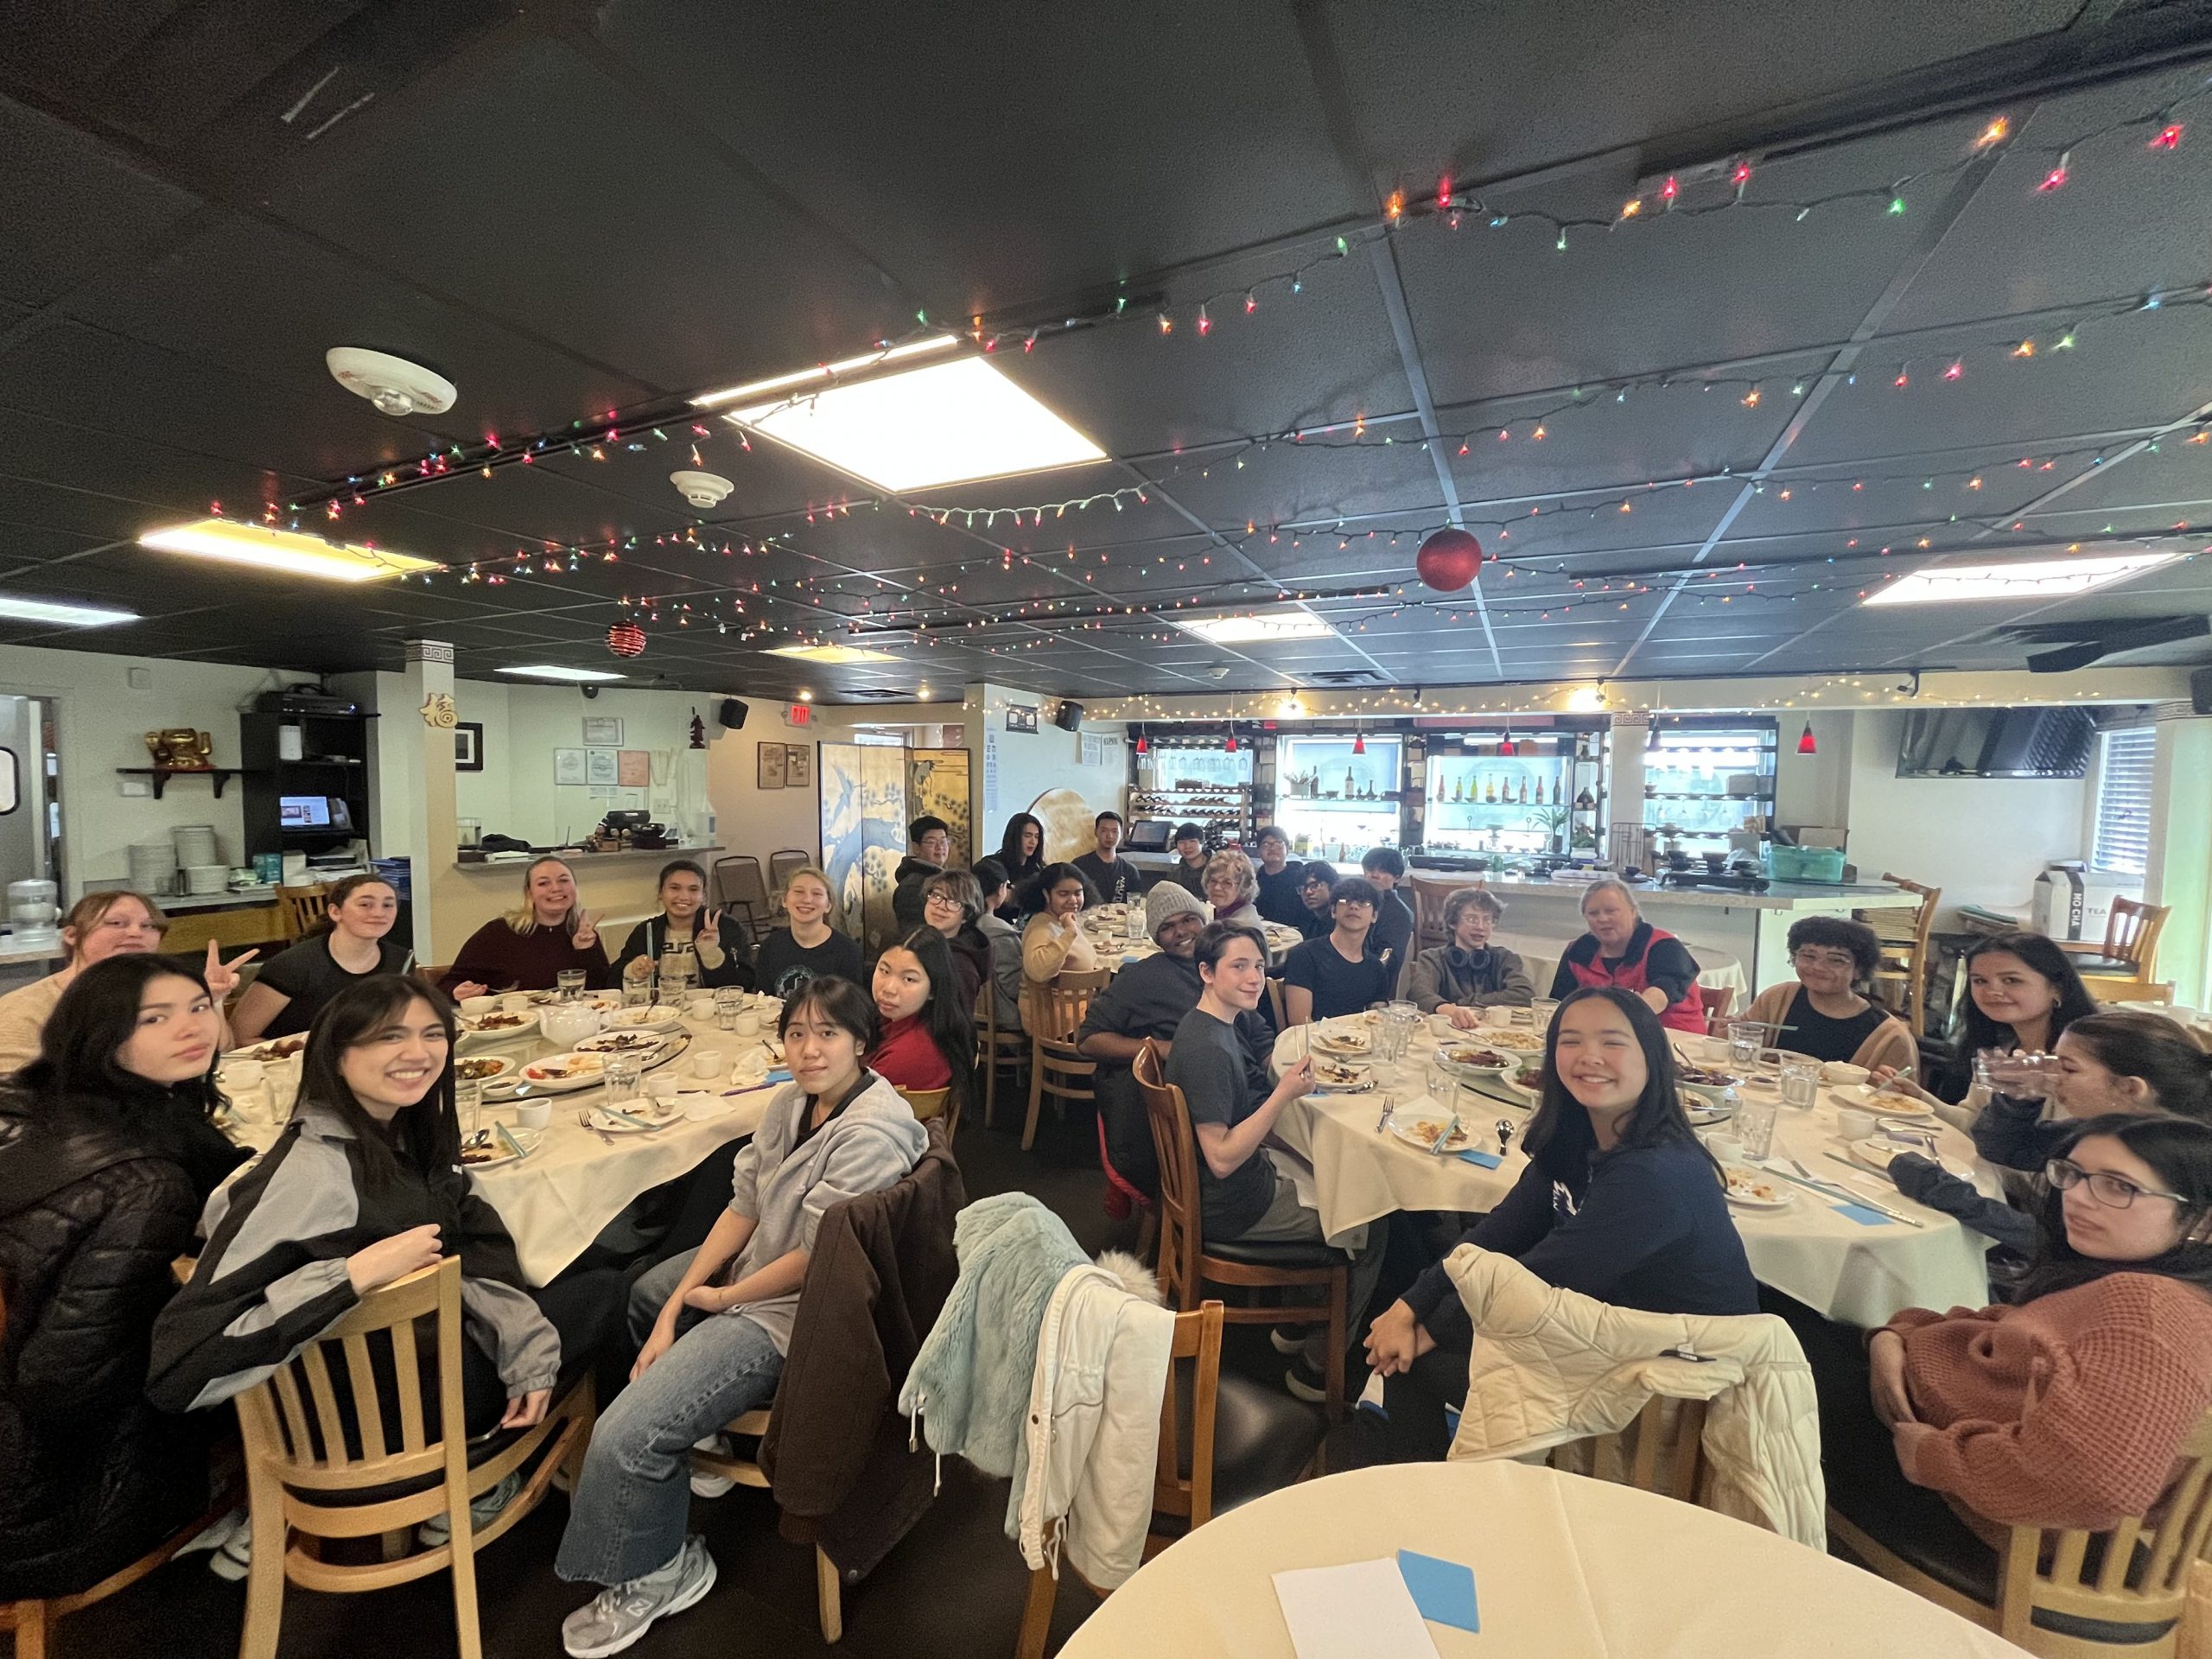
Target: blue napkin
pixel 1444 1591
pixel 1487 1160
pixel 1862 1215
pixel 781 1074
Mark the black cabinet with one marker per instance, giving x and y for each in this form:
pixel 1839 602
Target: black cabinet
pixel 316 804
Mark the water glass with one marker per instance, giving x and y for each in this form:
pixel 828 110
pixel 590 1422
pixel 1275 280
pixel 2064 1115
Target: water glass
pixel 728 999
pixel 571 983
pixel 637 993
pixel 468 1106
pixel 1800 1081
pixel 1132 925
pixel 623 1074
pixel 2024 1077
pixel 1754 1124
pixel 1745 1038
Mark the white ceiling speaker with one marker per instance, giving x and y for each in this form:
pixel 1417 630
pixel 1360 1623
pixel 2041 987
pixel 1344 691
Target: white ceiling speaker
pixel 701 490
pixel 392 384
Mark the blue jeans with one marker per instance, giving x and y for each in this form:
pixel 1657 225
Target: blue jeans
pixel 628 1514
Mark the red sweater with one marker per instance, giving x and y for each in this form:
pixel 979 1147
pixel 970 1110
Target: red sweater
pixel 500 959
pixel 907 1057
pixel 2067 1411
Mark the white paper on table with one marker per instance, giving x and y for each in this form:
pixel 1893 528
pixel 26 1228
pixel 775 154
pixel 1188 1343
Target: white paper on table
pixel 1359 1611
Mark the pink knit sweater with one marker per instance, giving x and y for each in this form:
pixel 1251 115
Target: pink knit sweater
pixel 2067 1411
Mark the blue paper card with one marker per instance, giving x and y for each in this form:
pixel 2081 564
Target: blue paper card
pixel 781 1074
pixel 1444 1591
pixel 1862 1215
pixel 1487 1160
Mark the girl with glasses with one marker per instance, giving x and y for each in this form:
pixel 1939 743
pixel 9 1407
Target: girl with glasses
pixel 1823 1013
pixel 2067 1409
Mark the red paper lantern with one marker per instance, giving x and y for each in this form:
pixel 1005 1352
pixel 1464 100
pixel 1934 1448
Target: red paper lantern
pixel 626 640
pixel 1449 561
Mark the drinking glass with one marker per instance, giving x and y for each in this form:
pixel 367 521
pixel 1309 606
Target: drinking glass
pixel 1800 1081
pixel 728 999
pixel 637 993
pixel 1754 1122
pixel 623 1073
pixel 468 1106
pixel 571 983
pixel 1132 923
pixel 2024 1077
pixel 1745 1038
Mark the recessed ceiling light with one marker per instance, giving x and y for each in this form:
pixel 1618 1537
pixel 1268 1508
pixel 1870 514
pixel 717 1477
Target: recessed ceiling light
pixel 833 654
pixel 555 671
pixel 60 614
pixel 943 423
pixel 2016 579
pixel 825 372
pixel 1258 627
pixel 283 550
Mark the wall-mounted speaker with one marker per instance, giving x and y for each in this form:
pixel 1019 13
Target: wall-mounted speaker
pixel 731 713
pixel 1070 718
pixel 2199 691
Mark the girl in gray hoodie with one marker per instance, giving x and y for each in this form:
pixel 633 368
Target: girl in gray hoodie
pixel 715 1324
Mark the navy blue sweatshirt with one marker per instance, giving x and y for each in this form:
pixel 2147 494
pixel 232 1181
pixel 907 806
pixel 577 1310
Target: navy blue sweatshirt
pixel 1641 1227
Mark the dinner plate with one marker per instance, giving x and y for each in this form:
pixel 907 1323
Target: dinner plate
pixel 1700 1113
pixel 1875 1153
pixel 640 1043
pixel 499 1025
pixel 483 1068
pixel 1752 1189
pixel 1348 1080
pixel 560 1074
pixel 1358 1044
pixel 525 1140
pixel 1448 1055
pixel 1519 1039
pixel 646 1122
pixel 1419 1132
pixel 279 1048
pixel 661 1016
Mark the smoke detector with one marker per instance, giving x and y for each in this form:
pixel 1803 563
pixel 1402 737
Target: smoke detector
pixel 701 490
pixel 392 384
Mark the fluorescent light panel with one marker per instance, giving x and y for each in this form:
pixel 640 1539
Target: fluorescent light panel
pixel 1262 628
pixel 60 613
pixel 2017 579
pixel 555 671
pixel 286 550
pixel 822 372
pixel 835 654
pixel 944 423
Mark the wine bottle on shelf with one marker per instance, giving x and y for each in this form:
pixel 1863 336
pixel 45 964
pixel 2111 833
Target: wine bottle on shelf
pixel 1524 791
pixel 1349 787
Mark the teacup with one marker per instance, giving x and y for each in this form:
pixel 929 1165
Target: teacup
pixel 708 1063
pixel 662 1088
pixel 1842 1071
pixel 534 1113
pixel 1724 1147
pixel 1854 1124
pixel 479 1004
pixel 748 1023
pixel 516 1002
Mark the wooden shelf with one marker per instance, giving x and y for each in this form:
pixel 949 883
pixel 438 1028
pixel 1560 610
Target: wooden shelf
pixel 161 775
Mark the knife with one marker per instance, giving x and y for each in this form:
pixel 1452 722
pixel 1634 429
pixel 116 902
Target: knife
pixel 1444 1136
pixel 1829 1191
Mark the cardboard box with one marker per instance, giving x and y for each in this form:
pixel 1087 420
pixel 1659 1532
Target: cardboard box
pixel 2072 901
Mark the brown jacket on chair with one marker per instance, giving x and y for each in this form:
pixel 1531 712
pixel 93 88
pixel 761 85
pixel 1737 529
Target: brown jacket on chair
pixel 836 1453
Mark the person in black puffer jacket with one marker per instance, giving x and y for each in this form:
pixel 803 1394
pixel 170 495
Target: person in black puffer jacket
pixel 106 1155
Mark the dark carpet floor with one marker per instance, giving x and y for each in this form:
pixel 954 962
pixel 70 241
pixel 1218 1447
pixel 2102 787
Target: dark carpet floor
pixel 955 1586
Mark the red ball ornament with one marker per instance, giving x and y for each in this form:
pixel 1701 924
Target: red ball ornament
pixel 626 640
pixel 1449 561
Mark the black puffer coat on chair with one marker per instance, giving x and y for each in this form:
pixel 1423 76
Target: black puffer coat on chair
pixel 91 1475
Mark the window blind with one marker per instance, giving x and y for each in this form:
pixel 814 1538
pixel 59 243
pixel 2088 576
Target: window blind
pixel 2122 843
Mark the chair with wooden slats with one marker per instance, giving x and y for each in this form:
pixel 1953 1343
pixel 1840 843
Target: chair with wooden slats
pixel 305 909
pixel 828 1595
pixel 2127 971
pixel 1662 1450
pixel 995 1046
pixel 1052 1012
pixel 1902 968
pixel 320 1468
pixel 1716 1000
pixel 1429 896
pixel 927 1104
pixel 2073 1594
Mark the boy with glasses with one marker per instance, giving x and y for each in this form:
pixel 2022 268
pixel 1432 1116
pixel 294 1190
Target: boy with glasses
pixel 1342 972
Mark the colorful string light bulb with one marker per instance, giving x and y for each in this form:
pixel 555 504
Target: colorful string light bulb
pixel 2055 179
pixel 2168 138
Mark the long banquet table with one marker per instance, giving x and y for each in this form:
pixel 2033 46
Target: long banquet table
pixel 1860 1269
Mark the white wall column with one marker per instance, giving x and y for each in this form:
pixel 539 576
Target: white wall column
pixel 1625 844
pixel 409 741
pixel 2178 872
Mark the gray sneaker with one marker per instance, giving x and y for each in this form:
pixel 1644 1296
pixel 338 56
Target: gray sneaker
pixel 704 1485
pixel 436 1532
pixel 618 1615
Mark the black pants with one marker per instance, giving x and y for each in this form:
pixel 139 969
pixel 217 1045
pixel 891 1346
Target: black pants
pixel 1416 1429
pixel 586 1310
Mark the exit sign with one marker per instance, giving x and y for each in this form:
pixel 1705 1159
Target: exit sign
pixel 798 714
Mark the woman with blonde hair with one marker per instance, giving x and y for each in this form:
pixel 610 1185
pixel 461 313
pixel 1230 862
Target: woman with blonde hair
pixel 1233 888
pixel 807 946
pixel 527 948
pixel 117 923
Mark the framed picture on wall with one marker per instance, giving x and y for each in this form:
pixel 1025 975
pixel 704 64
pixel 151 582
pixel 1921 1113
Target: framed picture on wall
pixel 633 768
pixel 469 746
pixel 774 757
pixel 600 766
pixel 798 766
pixel 568 766
pixel 603 731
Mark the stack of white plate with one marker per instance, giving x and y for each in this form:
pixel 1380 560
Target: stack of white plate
pixel 206 878
pixel 153 866
pixel 195 844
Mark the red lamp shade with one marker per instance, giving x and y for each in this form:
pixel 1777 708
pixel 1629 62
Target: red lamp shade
pixel 1805 743
pixel 1232 745
pixel 626 640
pixel 1449 561
pixel 1358 743
pixel 1144 744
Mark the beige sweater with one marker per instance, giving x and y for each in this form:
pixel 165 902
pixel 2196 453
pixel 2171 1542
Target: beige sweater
pixel 1890 1043
pixel 23 1014
pixel 1049 948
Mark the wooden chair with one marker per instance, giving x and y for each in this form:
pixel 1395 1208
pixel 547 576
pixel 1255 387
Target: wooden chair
pixel 1429 895
pixel 2120 1592
pixel 1051 1011
pixel 780 866
pixel 2127 970
pixel 995 1047
pixel 306 1485
pixel 1185 1493
pixel 1716 1000
pixel 304 909
pixel 738 888
pixel 1662 1450
pixel 1276 1005
pixel 930 1102
pixel 1902 965
pixel 1188 1264
pixel 433 974
pixel 829 1600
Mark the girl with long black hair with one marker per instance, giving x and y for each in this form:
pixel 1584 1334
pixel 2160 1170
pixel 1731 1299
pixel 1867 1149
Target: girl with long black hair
pixel 928 1036
pixel 1021 849
pixel 1619 1201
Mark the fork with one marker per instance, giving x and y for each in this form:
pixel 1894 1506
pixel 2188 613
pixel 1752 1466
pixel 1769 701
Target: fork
pixel 584 1118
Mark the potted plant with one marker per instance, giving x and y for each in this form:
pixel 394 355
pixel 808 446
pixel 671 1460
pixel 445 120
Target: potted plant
pixel 1551 820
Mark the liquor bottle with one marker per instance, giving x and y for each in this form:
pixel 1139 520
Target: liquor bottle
pixel 1349 787
pixel 1489 790
pixel 1524 791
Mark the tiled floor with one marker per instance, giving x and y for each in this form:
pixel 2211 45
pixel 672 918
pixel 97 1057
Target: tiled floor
pixel 954 1587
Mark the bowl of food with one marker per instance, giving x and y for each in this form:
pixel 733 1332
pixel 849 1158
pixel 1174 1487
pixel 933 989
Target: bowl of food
pixel 1530 1079
pixel 661 1016
pixel 482 1068
pixel 1842 1071
pixel 1707 1085
pixel 1519 1039
pixel 1477 1059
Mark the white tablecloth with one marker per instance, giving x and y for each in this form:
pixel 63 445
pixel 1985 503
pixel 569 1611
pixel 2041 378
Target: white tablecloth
pixel 1566 1568
pixel 1849 1270
pixel 556 1201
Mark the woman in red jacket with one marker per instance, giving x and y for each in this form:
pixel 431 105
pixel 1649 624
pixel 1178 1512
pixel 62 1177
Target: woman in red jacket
pixel 2065 1408
pixel 1623 949
pixel 928 1039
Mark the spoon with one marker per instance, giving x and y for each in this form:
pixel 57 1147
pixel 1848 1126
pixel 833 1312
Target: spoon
pixel 1504 1127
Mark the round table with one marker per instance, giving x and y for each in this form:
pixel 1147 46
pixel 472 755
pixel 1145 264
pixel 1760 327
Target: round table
pixel 1566 1568
pixel 577 1179
pixel 1859 1271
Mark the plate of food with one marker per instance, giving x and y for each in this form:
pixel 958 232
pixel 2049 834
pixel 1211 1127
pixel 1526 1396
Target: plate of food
pixel 1706 1083
pixel 623 1042
pixel 499 1145
pixel 283 1049
pixel 559 1073
pixel 1335 1076
pixel 1530 1079
pixel 661 1016
pixel 1520 1040
pixel 644 1116
pixel 1480 1059
pixel 482 1068
pixel 1752 1188
pixel 1421 1132
pixel 502 1023
pixel 1344 1039
pixel 1876 1151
